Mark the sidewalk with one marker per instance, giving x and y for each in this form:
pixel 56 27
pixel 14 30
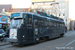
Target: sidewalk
pixel 4 43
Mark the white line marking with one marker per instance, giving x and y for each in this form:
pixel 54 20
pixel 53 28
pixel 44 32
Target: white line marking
pixel 70 43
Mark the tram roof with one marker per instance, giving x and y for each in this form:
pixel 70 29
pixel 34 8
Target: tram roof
pixel 42 16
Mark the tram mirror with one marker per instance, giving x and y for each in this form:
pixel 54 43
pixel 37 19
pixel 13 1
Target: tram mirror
pixel 23 21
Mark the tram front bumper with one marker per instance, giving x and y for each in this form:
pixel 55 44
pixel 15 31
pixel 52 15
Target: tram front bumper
pixel 12 40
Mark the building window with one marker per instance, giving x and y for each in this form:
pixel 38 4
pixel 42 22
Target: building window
pixel 63 14
pixel 22 11
pixel 15 10
pixel 12 10
pixel 59 14
pixel 32 3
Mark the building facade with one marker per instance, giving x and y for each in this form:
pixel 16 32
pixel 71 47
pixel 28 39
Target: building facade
pixel 72 25
pixel 59 8
pixel 14 10
pixel 5 15
pixel 63 11
pixel 4 20
pixel 48 6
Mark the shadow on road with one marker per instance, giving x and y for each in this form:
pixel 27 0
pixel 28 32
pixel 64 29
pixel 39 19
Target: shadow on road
pixel 32 44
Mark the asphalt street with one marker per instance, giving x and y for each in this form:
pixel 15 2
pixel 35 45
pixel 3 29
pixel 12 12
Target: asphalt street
pixel 67 43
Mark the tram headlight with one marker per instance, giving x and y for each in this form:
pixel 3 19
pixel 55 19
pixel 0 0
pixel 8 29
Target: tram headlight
pixel 12 33
pixel 23 36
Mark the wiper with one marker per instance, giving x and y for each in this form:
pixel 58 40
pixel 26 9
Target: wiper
pixel 15 26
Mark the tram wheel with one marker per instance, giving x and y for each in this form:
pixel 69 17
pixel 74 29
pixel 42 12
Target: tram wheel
pixel 47 38
pixel 61 35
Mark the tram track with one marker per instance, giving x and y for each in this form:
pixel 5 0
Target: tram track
pixel 5 46
pixel 18 47
pixel 9 47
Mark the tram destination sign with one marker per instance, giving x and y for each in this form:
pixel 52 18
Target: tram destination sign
pixel 41 13
pixel 15 15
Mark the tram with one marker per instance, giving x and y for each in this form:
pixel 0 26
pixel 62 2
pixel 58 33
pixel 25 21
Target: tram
pixel 28 28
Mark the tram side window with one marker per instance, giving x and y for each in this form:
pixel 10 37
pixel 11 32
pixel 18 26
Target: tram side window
pixel 60 26
pixel 63 25
pixel 55 25
pixel 41 23
pixel 51 24
pixel 35 23
pixel 45 23
pixel 29 21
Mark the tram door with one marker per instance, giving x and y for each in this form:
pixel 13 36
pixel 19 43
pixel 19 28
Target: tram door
pixel 29 29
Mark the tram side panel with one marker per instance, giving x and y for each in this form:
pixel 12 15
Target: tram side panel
pixel 22 36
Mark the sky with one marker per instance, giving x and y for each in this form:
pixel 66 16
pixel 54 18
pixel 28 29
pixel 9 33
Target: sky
pixel 17 3
pixel 72 9
pixel 27 4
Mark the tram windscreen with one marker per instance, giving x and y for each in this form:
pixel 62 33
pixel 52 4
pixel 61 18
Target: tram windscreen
pixel 16 23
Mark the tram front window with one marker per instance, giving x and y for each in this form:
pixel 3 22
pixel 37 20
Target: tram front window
pixel 16 23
